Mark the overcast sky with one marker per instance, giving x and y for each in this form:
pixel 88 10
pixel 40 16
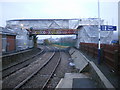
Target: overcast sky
pixel 20 9
pixel 57 9
pixel 49 9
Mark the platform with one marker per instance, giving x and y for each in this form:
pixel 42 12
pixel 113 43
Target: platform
pixel 96 79
pixel 67 81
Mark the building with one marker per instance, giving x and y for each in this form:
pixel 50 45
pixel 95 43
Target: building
pixel 89 34
pixel 8 40
pixel 23 40
pixel 13 40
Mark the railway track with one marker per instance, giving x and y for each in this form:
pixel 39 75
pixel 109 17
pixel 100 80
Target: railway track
pixel 13 68
pixel 17 66
pixel 22 76
pixel 41 79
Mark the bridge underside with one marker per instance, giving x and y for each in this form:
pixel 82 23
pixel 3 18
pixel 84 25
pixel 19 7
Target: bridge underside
pixel 54 32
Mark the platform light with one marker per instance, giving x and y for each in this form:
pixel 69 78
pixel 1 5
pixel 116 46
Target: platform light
pixel 21 25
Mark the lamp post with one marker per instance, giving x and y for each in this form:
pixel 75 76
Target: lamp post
pixel 21 25
pixel 99 49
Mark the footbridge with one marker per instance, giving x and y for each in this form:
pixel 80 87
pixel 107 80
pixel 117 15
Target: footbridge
pixel 85 29
pixel 46 26
pixel 50 26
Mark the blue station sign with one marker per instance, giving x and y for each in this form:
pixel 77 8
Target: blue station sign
pixel 108 28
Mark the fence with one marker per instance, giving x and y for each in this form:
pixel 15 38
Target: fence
pixel 110 54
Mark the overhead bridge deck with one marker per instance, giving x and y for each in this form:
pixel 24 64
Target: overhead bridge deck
pixel 46 26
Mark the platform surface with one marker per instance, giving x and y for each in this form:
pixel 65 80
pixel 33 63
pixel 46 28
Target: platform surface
pixel 83 83
pixel 79 61
pixel 67 81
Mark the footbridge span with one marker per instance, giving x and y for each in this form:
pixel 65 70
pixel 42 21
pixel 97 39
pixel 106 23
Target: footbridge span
pixel 46 26
pixel 56 27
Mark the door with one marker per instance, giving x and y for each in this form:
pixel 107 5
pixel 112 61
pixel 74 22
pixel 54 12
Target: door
pixel 10 42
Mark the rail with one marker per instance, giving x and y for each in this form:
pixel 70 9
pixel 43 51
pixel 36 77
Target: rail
pixel 51 73
pixel 39 69
pixel 3 70
pixel 21 62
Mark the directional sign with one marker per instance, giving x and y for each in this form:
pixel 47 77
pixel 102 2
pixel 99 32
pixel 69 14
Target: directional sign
pixel 108 28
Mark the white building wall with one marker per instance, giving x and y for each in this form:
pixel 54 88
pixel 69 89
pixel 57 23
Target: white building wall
pixel 22 40
pixel 89 34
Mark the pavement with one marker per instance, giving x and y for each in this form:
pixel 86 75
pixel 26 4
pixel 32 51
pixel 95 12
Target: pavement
pixel 67 81
pixel 83 83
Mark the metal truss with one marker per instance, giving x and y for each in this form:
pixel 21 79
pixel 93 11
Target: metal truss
pixel 52 25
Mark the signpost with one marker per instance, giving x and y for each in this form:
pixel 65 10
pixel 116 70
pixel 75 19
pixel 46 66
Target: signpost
pixel 108 28
pixel 104 28
pixel 99 49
